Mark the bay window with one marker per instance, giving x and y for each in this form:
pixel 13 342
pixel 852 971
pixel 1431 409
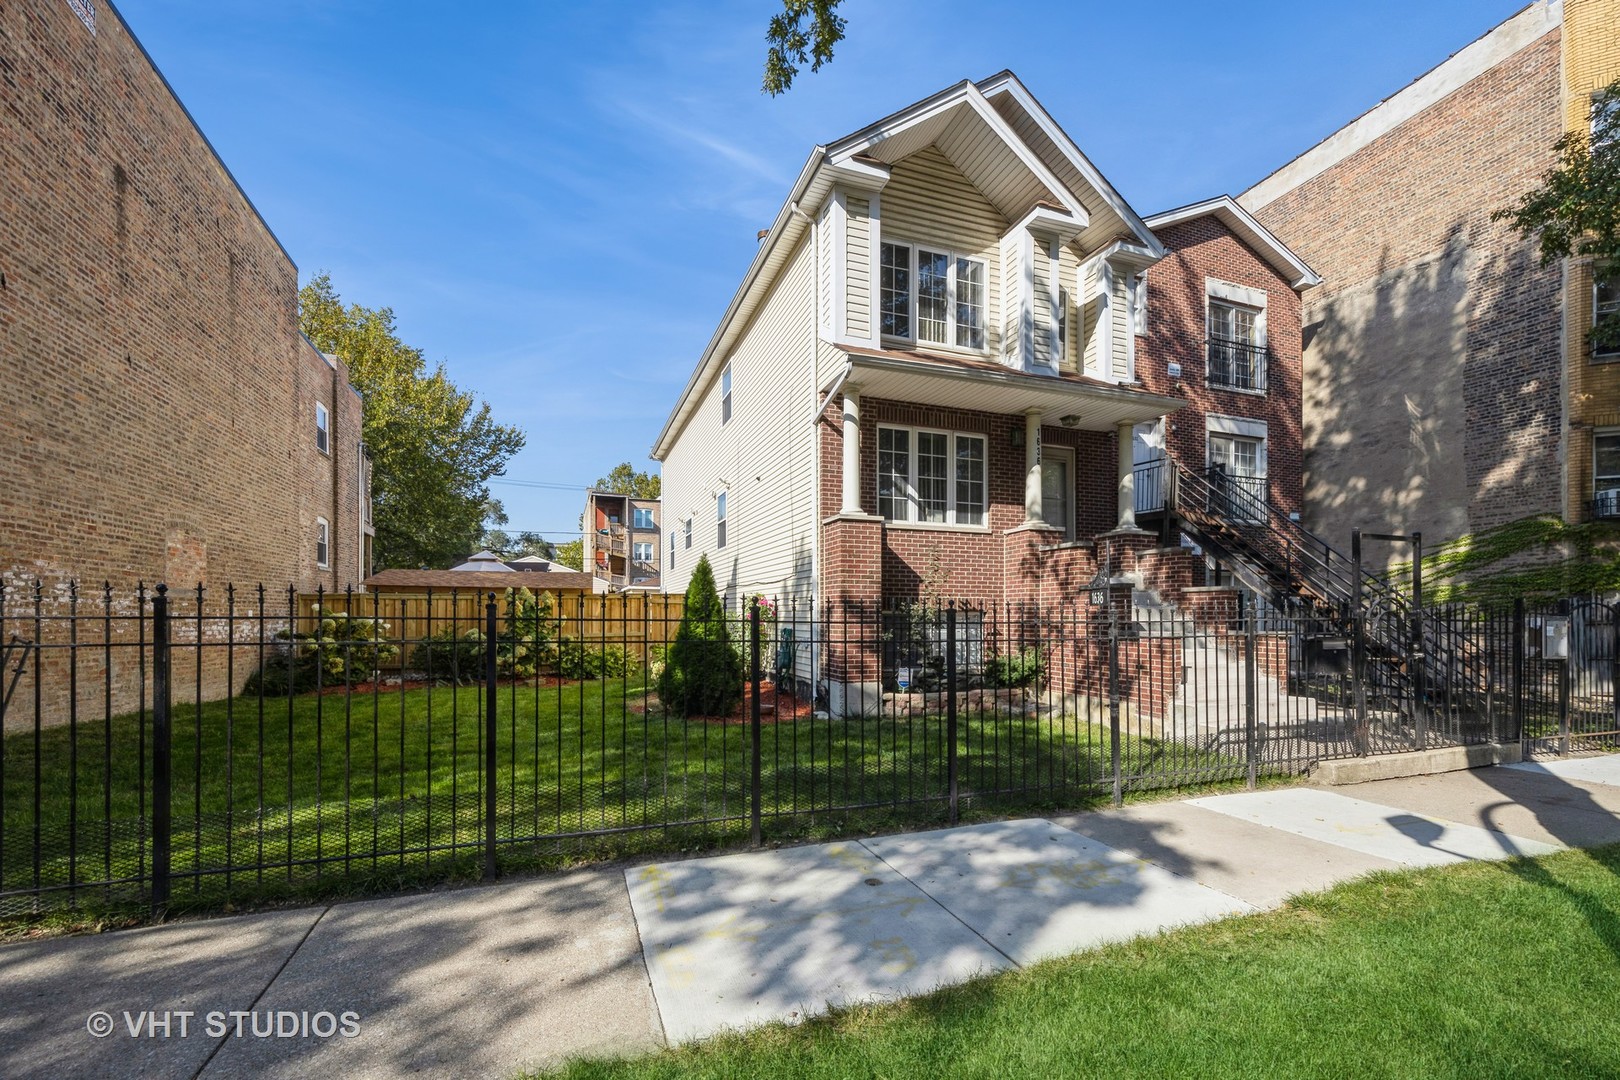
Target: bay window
pixel 932 296
pixel 930 477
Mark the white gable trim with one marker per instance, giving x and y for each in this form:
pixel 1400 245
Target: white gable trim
pixel 1246 228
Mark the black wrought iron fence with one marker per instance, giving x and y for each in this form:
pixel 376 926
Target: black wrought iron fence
pixel 172 748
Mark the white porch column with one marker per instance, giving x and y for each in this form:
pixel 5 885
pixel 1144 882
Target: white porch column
pixel 851 503
pixel 1032 467
pixel 1127 479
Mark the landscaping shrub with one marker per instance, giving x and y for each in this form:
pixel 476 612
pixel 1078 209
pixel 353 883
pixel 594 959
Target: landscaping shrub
pixel 451 655
pixel 1013 670
pixel 576 660
pixel 703 671
pixel 339 650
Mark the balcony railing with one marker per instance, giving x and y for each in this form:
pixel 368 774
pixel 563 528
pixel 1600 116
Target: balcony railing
pixel 1237 365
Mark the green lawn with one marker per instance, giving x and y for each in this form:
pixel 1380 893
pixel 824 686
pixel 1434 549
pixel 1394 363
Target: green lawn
pixel 342 793
pixel 1506 970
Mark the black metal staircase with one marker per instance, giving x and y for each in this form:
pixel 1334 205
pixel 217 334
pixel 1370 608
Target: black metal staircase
pixel 1410 661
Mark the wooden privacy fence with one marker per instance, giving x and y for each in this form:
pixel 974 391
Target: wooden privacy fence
pixel 635 621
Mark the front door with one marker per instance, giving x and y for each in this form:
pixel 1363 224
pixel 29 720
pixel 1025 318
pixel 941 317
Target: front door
pixel 1147 452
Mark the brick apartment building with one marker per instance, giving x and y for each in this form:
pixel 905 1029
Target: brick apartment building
pixel 623 546
pixel 1448 385
pixel 165 419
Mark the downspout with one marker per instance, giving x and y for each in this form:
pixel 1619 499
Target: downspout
pixel 814 440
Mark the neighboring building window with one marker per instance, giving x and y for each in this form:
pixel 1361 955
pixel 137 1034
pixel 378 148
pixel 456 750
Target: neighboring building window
pixel 1605 304
pixel 725 395
pixel 1063 325
pixel 1605 113
pixel 936 297
pixel 323 428
pixel 931 476
pixel 1606 474
pixel 643 552
pixel 1237 357
pixel 642 518
pixel 323 534
pixel 720 521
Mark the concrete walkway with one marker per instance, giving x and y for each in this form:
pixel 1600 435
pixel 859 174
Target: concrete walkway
pixel 486 981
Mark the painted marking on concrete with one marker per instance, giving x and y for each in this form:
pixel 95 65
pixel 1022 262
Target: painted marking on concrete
pixel 1035 890
pixel 1590 770
pixel 1370 828
pixel 736 940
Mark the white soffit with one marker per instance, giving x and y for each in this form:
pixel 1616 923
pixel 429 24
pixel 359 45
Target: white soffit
pixel 1244 226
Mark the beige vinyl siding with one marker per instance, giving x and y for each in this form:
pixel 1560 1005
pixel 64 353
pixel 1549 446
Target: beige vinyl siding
pixel 1068 279
pixel 1090 312
pixel 1121 328
pixel 858 250
pixel 824 259
pixel 1040 301
pixel 765 457
pixel 929 201
pixel 1012 312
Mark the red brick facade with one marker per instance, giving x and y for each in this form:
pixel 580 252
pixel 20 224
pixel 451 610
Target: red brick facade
pixel 160 407
pixel 1205 248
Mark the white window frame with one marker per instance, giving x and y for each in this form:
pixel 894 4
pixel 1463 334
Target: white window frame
pixel 952 330
pixel 323 543
pixel 721 509
pixel 1598 479
pixel 641 551
pixel 636 513
pixel 1136 291
pixel 323 428
pixel 688 531
pixel 725 395
pixel 1611 279
pixel 1239 427
pixel 909 498
pixel 1236 297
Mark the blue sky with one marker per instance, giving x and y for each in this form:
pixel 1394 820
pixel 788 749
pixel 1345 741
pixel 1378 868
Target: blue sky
pixel 558 199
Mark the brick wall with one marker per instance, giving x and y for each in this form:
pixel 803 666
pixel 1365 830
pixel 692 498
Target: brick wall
pixel 1177 305
pixel 158 415
pixel 1431 369
pixel 159 400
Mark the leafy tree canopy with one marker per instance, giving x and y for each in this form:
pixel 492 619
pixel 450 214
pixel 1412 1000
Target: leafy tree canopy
pixel 1575 212
pixel 804 31
pixel 433 447
pixel 625 480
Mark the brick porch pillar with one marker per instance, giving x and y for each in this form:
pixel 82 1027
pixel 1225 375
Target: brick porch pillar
pixel 851 605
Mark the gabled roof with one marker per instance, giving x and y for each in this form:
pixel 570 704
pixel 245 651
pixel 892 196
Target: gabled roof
pixel 993 130
pixel 1225 209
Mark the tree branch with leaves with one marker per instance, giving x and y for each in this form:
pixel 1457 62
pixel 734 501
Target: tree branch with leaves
pixel 1575 212
pixel 804 31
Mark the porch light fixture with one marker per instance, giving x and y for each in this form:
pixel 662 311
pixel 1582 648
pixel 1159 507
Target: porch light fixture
pixel 1069 420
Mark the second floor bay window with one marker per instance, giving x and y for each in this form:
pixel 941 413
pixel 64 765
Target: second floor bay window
pixel 931 296
pixel 932 477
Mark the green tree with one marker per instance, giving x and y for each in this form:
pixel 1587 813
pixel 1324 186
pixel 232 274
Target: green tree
pixel 433 447
pixel 1575 212
pixel 703 672
pixel 625 480
pixel 804 31
pixel 571 554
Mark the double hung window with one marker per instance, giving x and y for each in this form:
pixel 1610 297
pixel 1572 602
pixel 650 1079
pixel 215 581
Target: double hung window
pixel 642 552
pixel 1237 349
pixel 1606 305
pixel 932 477
pixel 720 521
pixel 642 518
pixel 932 296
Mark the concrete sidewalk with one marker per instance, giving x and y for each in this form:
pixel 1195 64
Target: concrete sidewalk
pixel 486 981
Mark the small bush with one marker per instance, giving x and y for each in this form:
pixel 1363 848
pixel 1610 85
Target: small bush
pixel 451 656
pixel 576 660
pixel 1013 670
pixel 339 650
pixel 703 672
